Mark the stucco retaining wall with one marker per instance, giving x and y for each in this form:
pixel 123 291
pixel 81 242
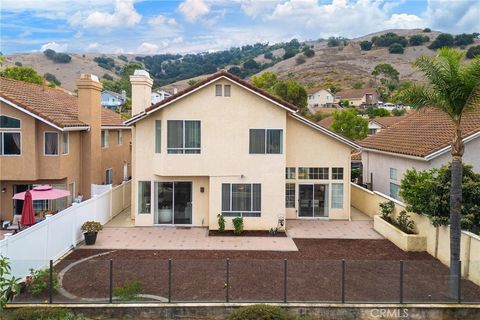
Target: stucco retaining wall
pixel 437 238
pixel 406 242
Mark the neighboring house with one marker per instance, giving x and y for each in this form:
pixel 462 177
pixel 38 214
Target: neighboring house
pixel 226 147
pixel 48 136
pixel 422 141
pixel 358 97
pixel 377 124
pixel 159 95
pixel 113 100
pixel 320 98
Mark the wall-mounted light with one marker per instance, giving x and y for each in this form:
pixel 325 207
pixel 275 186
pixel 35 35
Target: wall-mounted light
pixel 202 189
pixel 4 190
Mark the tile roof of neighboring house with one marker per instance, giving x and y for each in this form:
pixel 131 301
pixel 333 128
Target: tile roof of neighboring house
pixel 219 74
pixel 356 156
pixel 326 122
pixel 315 90
pixel 422 133
pixel 55 106
pixel 386 122
pixel 355 93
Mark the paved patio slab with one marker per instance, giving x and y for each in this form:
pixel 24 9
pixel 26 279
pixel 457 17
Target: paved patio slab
pixel 172 238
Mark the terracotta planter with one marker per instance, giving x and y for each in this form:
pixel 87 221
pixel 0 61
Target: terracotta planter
pixel 90 238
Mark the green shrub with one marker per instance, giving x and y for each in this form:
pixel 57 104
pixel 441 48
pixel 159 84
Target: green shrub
pixel 308 52
pixel 366 45
pixel 300 59
pixel 237 225
pixel 221 222
pixel 427 30
pixel 41 314
pixel 260 312
pixel 52 79
pixel 418 39
pixel 8 284
pixel 473 52
pixel 386 209
pixel 38 281
pixel 18 64
pixel 396 48
pixel 268 55
pixel 443 40
pixel 129 291
pixel 404 223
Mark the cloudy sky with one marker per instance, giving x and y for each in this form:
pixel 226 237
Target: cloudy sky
pixel 158 26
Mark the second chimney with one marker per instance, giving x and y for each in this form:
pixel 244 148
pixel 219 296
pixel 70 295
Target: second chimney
pixel 141 91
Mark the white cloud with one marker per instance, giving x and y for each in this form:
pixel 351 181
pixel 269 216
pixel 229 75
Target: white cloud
pixel 93 47
pixel 123 15
pixel 162 20
pixel 404 21
pixel 60 47
pixel 254 8
pixel 147 48
pixel 453 16
pixel 194 9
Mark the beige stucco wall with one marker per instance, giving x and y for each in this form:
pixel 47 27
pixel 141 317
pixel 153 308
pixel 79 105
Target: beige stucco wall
pixel 438 239
pixel 116 155
pixel 320 98
pixel 225 158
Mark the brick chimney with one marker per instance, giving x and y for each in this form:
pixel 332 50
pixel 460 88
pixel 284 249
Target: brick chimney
pixel 90 112
pixel 141 91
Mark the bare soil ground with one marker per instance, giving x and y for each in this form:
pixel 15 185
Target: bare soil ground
pixel 314 273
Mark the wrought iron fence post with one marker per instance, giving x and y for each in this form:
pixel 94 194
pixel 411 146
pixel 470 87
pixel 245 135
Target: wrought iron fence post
pixel 227 282
pixel 110 289
pixel 343 280
pixel 401 281
pixel 459 282
pixel 170 280
pixel 285 277
pixel 50 288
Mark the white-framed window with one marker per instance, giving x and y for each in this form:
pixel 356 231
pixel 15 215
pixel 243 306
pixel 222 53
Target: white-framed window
pixel 290 173
pixel 105 138
pixel 50 143
pixel 218 90
pixel 144 197
pixel 371 132
pixel 393 174
pixel 109 176
pixel 266 141
pixel 337 173
pixel 313 173
pixel 183 136
pixel 158 136
pixel 241 199
pixel 289 195
pixel 394 191
pixel 120 137
pixel 65 142
pixel 227 90
pixel 337 195
pixel 10 143
pixel 7 122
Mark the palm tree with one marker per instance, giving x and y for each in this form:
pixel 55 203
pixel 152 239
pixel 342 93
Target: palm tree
pixel 453 86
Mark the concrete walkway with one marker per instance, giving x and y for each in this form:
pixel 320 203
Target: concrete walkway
pixel 122 219
pixel 361 227
pixel 172 238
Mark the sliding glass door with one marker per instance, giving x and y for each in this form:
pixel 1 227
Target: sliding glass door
pixel 174 203
pixel 312 200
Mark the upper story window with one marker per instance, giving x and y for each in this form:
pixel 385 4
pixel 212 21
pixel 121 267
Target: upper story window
pixel 183 136
pixel 337 173
pixel 65 142
pixel 290 173
pixel 158 136
pixel 266 141
pixel 313 173
pixel 105 138
pixel 223 90
pixel 393 174
pixel 50 143
pixel 7 122
pixel 10 138
pixel 227 90
pixel 218 90
pixel 119 137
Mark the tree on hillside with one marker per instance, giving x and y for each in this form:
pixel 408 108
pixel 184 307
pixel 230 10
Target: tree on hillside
pixel 26 74
pixel 443 40
pixel 396 48
pixel 418 39
pixel 350 124
pixel 387 73
pixel 473 52
pixel 52 79
pixel 366 45
pixel 266 81
pixel 453 87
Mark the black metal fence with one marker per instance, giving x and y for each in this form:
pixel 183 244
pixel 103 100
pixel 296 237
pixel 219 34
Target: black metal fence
pixel 249 280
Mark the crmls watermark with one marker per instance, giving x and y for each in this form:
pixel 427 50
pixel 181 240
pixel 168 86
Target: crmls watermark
pixel 389 313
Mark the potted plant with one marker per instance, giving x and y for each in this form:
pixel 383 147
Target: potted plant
pixel 90 230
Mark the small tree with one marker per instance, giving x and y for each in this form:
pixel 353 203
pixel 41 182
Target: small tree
pixel 350 124
pixel 308 52
pixel 358 84
pixel 443 40
pixel 418 39
pixel 473 52
pixel 396 48
pixel 8 283
pixel 427 30
pixel 366 45
pixel 26 74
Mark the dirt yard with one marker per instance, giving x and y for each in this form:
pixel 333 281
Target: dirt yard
pixel 314 273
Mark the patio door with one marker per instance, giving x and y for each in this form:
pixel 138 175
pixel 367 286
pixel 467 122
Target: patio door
pixel 174 203
pixel 312 200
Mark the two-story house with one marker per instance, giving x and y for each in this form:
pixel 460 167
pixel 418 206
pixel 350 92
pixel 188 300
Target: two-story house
pixel 112 100
pixel 320 98
pixel 358 97
pixel 421 140
pixel 159 95
pixel 226 147
pixel 48 136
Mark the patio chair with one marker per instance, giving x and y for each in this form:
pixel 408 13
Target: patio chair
pixel 15 226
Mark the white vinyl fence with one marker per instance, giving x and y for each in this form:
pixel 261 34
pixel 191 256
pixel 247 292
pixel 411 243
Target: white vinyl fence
pixel 50 239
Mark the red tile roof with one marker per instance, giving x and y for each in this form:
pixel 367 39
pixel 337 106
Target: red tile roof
pixel 421 133
pixel 53 105
pixel 219 74
pixel 355 93
pixel 386 122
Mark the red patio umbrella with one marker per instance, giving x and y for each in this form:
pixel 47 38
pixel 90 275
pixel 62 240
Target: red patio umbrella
pixel 28 218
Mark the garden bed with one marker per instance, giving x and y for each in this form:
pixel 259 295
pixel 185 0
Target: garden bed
pixel 247 233
pixel 405 241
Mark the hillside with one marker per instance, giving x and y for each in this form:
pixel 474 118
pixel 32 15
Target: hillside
pixel 340 65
